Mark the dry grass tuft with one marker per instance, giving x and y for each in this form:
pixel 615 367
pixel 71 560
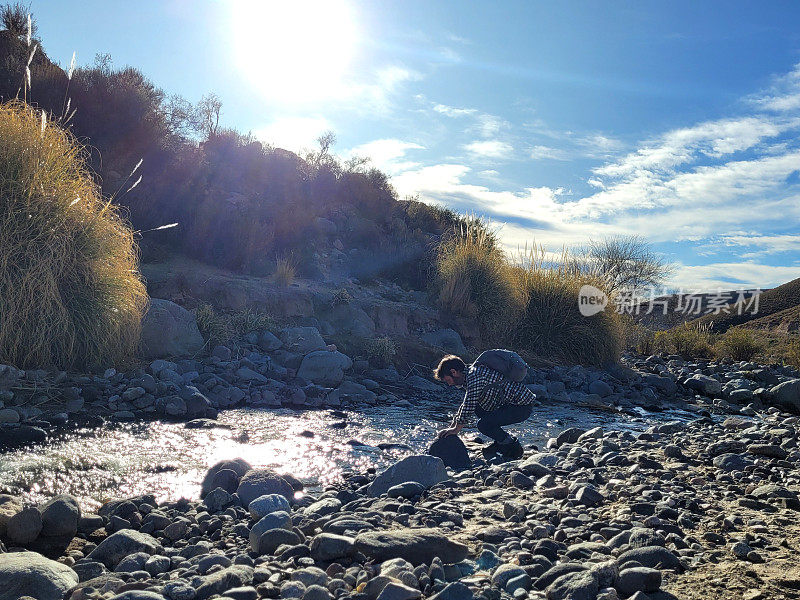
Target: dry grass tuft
pixel 637 337
pixel 550 324
pixel 285 270
pixel 475 281
pixel 70 292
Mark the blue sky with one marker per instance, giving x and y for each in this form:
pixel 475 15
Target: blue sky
pixel 560 121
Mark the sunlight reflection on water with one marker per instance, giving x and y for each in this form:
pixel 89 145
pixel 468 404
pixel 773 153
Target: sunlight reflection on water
pixel 168 460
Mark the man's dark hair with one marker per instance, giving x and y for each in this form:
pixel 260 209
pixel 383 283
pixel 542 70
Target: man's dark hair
pixel 451 361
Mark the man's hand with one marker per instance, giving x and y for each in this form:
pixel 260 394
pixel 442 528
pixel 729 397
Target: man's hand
pixel 452 430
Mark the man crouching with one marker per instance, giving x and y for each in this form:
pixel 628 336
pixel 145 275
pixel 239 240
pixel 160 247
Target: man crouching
pixel 492 398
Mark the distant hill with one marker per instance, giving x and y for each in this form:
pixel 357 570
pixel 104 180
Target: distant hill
pixel 777 309
pixel 785 297
pixel 680 308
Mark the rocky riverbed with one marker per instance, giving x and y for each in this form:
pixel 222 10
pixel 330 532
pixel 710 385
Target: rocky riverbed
pixel 705 509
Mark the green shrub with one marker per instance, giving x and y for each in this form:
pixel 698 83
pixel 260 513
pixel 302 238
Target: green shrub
pixel 687 339
pixel 738 344
pixel 793 352
pixel 380 351
pixel 550 324
pixel 70 292
pixel 213 326
pixel 476 281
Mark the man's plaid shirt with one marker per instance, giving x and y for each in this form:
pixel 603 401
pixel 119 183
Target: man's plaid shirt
pixel 488 389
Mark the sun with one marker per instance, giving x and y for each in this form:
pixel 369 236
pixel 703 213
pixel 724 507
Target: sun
pixel 296 50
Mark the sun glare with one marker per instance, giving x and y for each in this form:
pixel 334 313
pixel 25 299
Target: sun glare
pixel 294 51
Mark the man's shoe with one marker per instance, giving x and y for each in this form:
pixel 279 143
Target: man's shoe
pixel 491 450
pixel 511 451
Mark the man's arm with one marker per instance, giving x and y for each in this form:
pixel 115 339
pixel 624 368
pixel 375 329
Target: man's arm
pixel 475 384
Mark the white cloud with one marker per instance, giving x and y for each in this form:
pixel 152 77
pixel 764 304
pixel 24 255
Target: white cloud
pixel 386 154
pixel 697 186
pixel 377 94
pixel 293 133
pixel 490 149
pixel 732 276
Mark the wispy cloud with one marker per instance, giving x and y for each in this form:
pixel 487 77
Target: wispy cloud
pixel 548 153
pixel 784 95
pixel 452 111
pixel 764 245
pixel 378 94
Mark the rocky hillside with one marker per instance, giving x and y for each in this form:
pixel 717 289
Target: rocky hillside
pixel 783 321
pixel 231 200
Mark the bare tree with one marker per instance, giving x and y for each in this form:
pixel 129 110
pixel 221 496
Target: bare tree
pixel 324 158
pixel 626 263
pixel 206 114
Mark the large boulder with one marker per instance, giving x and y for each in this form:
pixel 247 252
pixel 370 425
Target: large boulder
pixel 220 581
pixel 704 384
pixel 31 574
pixel 417 546
pixel 25 526
pixel 352 320
pixel 330 546
pixel 581 585
pixel 422 468
pixel 452 451
pixel 302 340
pixel 787 395
pixel 422 384
pixel 324 367
pixel 169 330
pixel 269 503
pixel 122 543
pixel 260 482
pixel 446 339
pixel 238 466
pixel 655 557
pixel 60 516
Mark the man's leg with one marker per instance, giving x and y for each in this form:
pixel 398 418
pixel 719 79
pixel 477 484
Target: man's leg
pixel 491 423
